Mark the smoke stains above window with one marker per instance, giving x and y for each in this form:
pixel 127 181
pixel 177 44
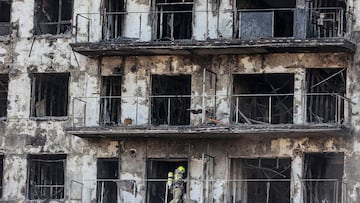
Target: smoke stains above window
pixel 49 94
pixel 53 16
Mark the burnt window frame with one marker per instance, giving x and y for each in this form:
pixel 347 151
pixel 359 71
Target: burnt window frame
pixel 4 89
pixel 6 23
pixel 276 12
pixel 34 96
pixel 105 97
pixel 163 99
pixel 246 170
pixel 101 181
pixel 112 15
pixel 160 10
pixel 255 106
pixel 49 161
pixel 58 22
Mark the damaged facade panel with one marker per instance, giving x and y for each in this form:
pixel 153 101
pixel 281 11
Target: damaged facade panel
pixel 263 98
pixel 107 173
pixel 114 14
pixel 46 177
pixel 170 100
pixel 49 94
pixel 5 16
pixel 260 180
pixel 323 174
pixel 157 171
pixel 53 17
pixel 326 89
pixel 174 19
pixel 110 109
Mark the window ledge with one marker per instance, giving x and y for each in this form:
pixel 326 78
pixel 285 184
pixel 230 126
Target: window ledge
pixel 50 118
pixel 51 36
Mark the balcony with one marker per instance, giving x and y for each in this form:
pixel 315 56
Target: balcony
pixel 158 32
pixel 210 116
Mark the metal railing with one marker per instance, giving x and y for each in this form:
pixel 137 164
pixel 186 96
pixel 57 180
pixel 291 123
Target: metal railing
pixel 316 108
pixel 233 190
pixel 327 22
pixel 153 26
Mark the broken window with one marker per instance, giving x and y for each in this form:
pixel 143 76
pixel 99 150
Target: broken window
pixel 113 19
pixel 49 94
pixel 53 16
pixel 326 89
pixel 327 18
pixel 263 98
pixel 107 173
pixel 264 18
pixel 5 8
pixel 110 100
pixel 158 170
pixel 171 100
pixel 174 19
pixel 4 80
pixel 260 180
pixel 323 174
pixel 46 177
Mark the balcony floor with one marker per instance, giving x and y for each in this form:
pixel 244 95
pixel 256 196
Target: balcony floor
pixel 214 47
pixel 210 131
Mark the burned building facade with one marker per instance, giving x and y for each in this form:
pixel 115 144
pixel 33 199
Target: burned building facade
pixel 258 100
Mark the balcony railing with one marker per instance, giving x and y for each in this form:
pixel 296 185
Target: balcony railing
pixel 234 190
pixel 249 24
pixel 250 109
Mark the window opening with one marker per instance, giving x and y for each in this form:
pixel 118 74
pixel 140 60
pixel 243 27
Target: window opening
pixel 46 177
pixel 263 98
pixel 5 10
pixel 159 169
pixel 4 80
pixel 107 173
pixel 325 108
pixel 264 18
pixel 174 19
pixel 53 16
pixel 110 100
pixel 323 174
pixel 114 16
pixel 171 100
pixel 49 94
pixel 261 180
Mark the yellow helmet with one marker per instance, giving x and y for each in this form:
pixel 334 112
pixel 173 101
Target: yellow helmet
pixel 181 169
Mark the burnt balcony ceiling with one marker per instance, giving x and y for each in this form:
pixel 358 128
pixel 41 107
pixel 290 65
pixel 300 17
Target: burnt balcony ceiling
pixel 214 47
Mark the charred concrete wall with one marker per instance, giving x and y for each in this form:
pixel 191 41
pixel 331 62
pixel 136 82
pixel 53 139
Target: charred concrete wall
pixel 22 54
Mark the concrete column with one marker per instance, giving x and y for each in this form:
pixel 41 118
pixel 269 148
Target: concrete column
pixel 299 97
pixel 300 19
pixel 15 175
pixel 296 174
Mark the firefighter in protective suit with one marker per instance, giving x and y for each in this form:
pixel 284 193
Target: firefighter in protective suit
pixel 177 186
